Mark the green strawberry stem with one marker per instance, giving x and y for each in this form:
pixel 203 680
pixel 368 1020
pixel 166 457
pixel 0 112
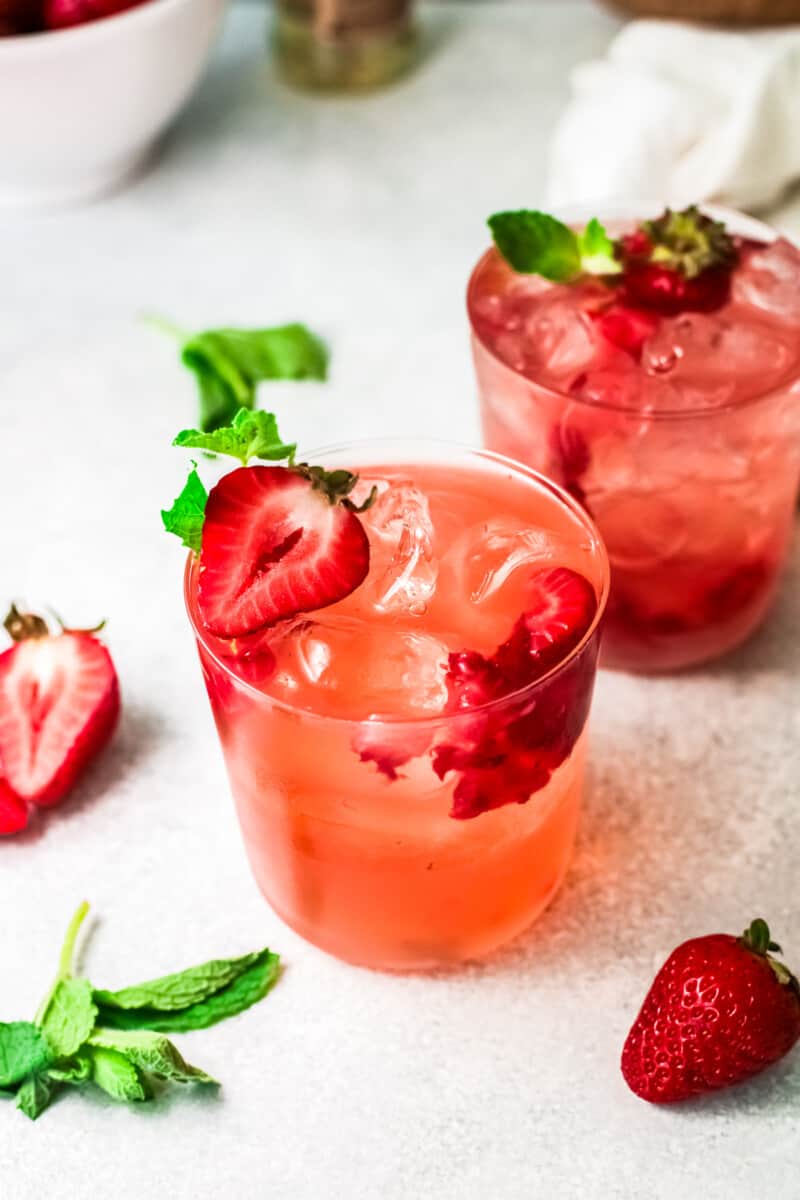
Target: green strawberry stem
pixel 757 939
pixel 65 958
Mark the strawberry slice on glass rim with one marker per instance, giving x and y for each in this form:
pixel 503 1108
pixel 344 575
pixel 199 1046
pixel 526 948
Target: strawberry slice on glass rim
pixel 278 541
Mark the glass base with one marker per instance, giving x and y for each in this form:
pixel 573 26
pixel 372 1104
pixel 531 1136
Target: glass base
pixel 349 63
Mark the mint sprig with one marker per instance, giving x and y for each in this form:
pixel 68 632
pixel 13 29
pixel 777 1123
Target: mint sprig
pixel 250 435
pixel 535 243
pixel 229 363
pixel 115 1040
pixel 185 517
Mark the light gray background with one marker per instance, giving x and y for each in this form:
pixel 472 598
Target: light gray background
pixel 361 216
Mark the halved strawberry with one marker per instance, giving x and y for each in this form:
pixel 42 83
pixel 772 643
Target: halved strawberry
pixel 59 703
pixel 626 328
pixel 13 811
pixel 277 542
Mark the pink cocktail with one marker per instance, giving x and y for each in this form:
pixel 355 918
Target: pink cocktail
pixel 679 431
pixel 407 763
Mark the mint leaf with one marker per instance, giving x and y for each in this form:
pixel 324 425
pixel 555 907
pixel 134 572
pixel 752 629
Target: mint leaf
pixel 116 1075
pixel 535 243
pixel 76 1070
pixel 150 1052
pixel 597 250
pixel 23 1051
pixel 36 1094
pixel 181 989
pixel 185 518
pixel 250 435
pixel 69 1017
pixel 243 991
pixel 229 363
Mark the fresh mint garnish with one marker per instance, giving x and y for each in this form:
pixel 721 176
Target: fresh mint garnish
pixel 73 1041
pixel 185 517
pixel 23 1051
pixel 179 991
pixel 535 243
pixel 597 250
pixel 149 1052
pixel 228 364
pixel 250 435
pixel 244 989
pixel 69 1017
pixel 36 1094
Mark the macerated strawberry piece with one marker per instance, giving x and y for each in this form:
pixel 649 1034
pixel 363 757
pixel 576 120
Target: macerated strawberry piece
pixel 59 704
pixel 627 328
pixel 635 245
pixel 720 1010
pixel 389 746
pixel 275 545
pixel 13 810
pixel 507 752
pixel 472 679
pixel 736 591
pixel 560 607
pixel 571 459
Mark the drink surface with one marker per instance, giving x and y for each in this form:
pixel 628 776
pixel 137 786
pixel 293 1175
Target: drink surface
pixel 452 551
pixel 386 818
pixel 557 335
pixel 680 435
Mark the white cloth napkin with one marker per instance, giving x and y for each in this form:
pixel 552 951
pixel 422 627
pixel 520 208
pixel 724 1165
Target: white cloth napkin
pixel 676 114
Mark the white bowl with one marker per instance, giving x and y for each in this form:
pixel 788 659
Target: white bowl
pixel 82 106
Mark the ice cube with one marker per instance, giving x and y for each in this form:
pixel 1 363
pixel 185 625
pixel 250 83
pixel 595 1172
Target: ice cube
pixel 559 337
pixel 769 280
pixel 485 557
pixel 708 358
pixel 348 667
pixel 403 566
pixel 641 529
pixel 617 385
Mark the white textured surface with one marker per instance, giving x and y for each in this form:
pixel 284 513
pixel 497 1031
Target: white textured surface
pixel 363 217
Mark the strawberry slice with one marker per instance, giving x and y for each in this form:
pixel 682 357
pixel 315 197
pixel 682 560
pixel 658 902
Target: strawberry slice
pixel 59 703
pixel 13 811
pixel 277 541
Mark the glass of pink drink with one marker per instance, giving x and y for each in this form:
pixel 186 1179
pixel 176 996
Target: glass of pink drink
pixel 407 763
pixel 677 430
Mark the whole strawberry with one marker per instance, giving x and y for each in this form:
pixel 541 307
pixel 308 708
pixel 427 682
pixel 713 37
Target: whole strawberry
pixel 720 1010
pixel 59 703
